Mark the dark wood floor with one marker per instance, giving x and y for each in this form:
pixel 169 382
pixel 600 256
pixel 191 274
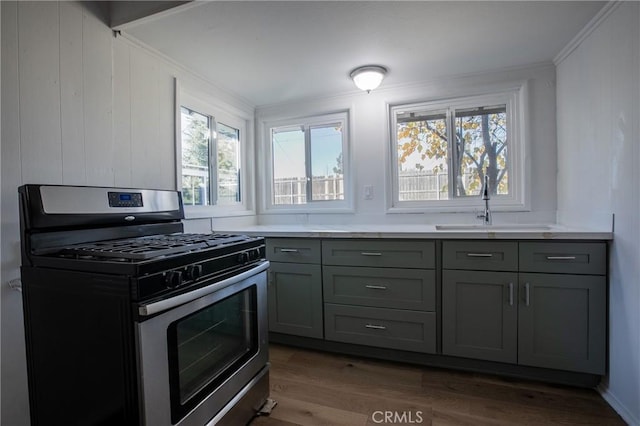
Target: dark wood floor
pixel 316 388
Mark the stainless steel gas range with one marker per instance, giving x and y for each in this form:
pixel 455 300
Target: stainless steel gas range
pixel 131 321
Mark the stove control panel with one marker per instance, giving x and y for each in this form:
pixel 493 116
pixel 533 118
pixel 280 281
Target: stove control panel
pixel 125 199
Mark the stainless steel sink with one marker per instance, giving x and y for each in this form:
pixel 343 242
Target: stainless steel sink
pixel 489 228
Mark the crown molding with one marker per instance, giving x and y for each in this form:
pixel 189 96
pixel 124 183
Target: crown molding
pixel 594 23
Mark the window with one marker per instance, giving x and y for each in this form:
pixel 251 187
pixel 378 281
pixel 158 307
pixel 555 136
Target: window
pixel 443 150
pixel 307 163
pixel 211 157
pixel 196 147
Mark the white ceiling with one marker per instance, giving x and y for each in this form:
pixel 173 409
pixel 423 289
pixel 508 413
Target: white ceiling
pixel 272 52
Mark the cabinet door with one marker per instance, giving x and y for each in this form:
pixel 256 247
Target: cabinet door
pixel 295 299
pixel 562 322
pixel 479 315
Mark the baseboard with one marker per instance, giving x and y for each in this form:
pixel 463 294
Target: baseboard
pixel 615 403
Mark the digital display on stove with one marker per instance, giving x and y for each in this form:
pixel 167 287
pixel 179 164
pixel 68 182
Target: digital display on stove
pixel 125 199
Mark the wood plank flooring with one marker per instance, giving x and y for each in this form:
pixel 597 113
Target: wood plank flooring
pixel 317 388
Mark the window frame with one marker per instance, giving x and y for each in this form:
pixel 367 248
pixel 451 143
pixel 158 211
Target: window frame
pixel 231 118
pixel 515 99
pixel 314 206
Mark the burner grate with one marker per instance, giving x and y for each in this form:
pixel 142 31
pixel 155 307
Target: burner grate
pixel 142 248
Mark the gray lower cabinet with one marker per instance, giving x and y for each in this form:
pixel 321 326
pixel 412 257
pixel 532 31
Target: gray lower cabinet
pixel 295 299
pixel 528 316
pixel 480 315
pixel 530 303
pixel 380 293
pixel 562 322
pixel 294 291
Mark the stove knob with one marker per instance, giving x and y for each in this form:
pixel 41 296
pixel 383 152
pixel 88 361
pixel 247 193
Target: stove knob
pixel 194 272
pixel 256 254
pixel 243 257
pixel 173 279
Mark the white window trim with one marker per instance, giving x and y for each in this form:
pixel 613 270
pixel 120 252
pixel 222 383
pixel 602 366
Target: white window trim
pixel 325 206
pixel 516 99
pixel 231 117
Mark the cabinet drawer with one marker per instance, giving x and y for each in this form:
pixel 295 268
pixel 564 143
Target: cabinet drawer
pixel 480 255
pixel 564 258
pixel 385 328
pixel 293 250
pixel 388 253
pixel 380 287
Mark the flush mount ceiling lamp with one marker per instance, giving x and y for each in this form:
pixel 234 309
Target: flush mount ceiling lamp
pixel 368 77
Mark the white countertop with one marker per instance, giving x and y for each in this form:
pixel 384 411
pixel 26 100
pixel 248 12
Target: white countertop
pixel 445 231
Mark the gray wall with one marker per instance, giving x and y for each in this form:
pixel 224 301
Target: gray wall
pixel 598 156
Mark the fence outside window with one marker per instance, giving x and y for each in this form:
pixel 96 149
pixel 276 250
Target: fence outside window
pixel 414 185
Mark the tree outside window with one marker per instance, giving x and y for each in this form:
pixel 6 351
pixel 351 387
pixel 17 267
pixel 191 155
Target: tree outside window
pixel 444 153
pixel 196 137
pixel 210 160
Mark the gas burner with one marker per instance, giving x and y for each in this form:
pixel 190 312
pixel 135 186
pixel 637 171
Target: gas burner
pixel 142 248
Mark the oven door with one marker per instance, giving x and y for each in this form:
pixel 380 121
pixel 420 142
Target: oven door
pixel 197 356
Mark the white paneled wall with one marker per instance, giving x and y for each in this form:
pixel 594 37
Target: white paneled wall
pixel 151 120
pixel 97 104
pixel 79 107
pixel 39 92
pixel 13 375
pixel 122 158
pixel 72 80
pixel 598 155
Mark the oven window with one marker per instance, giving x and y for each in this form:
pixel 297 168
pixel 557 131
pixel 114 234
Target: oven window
pixel 208 346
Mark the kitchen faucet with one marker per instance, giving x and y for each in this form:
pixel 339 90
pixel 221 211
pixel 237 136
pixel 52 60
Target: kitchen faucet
pixel 486 216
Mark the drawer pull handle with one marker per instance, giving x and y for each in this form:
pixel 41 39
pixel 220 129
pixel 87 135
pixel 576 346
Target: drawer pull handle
pixel 561 258
pixel 376 327
pixel 479 255
pixel 288 250
pixel 376 287
pixel 370 253
pixel 510 294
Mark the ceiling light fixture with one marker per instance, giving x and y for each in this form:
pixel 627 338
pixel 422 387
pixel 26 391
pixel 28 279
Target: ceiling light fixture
pixel 368 77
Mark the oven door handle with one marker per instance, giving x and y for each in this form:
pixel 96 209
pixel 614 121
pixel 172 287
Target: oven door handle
pixel 181 299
